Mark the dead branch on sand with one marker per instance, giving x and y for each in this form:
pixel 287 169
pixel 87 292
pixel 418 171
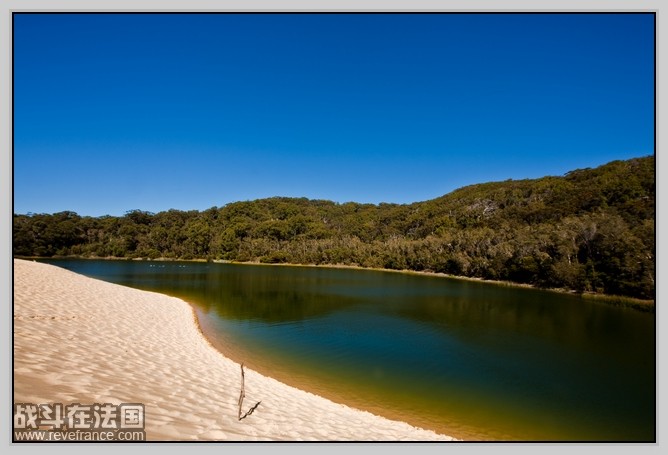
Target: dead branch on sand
pixel 242 395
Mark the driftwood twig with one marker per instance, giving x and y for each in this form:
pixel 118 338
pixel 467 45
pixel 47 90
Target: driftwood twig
pixel 242 395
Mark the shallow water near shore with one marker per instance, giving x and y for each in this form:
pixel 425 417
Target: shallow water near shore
pixel 467 359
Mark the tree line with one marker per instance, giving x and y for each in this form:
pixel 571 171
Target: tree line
pixel 589 230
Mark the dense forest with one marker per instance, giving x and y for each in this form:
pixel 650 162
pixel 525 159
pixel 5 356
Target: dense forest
pixel 590 230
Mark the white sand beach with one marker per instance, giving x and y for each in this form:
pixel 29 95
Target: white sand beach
pixel 81 340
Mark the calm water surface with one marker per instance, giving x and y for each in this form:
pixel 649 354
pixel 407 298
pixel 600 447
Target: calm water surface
pixel 471 360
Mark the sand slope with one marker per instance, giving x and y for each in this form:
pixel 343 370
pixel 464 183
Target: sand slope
pixel 77 339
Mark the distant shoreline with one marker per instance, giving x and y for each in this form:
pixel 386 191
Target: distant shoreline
pixel 621 301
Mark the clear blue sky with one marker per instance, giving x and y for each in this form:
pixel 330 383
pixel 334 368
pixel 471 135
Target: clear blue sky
pixel 152 112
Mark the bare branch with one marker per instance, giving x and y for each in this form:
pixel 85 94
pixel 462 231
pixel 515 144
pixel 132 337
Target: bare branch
pixel 242 394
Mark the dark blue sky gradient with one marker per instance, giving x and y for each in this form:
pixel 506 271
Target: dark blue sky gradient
pixel 115 112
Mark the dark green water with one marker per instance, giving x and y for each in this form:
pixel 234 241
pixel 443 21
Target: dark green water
pixel 472 360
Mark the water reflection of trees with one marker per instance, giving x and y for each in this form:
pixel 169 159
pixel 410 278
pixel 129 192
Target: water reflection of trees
pixel 262 295
pixel 542 317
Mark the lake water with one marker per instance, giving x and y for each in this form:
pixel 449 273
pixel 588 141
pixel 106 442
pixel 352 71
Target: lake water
pixel 468 359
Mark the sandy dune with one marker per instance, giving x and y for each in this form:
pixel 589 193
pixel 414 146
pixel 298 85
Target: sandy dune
pixel 77 339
